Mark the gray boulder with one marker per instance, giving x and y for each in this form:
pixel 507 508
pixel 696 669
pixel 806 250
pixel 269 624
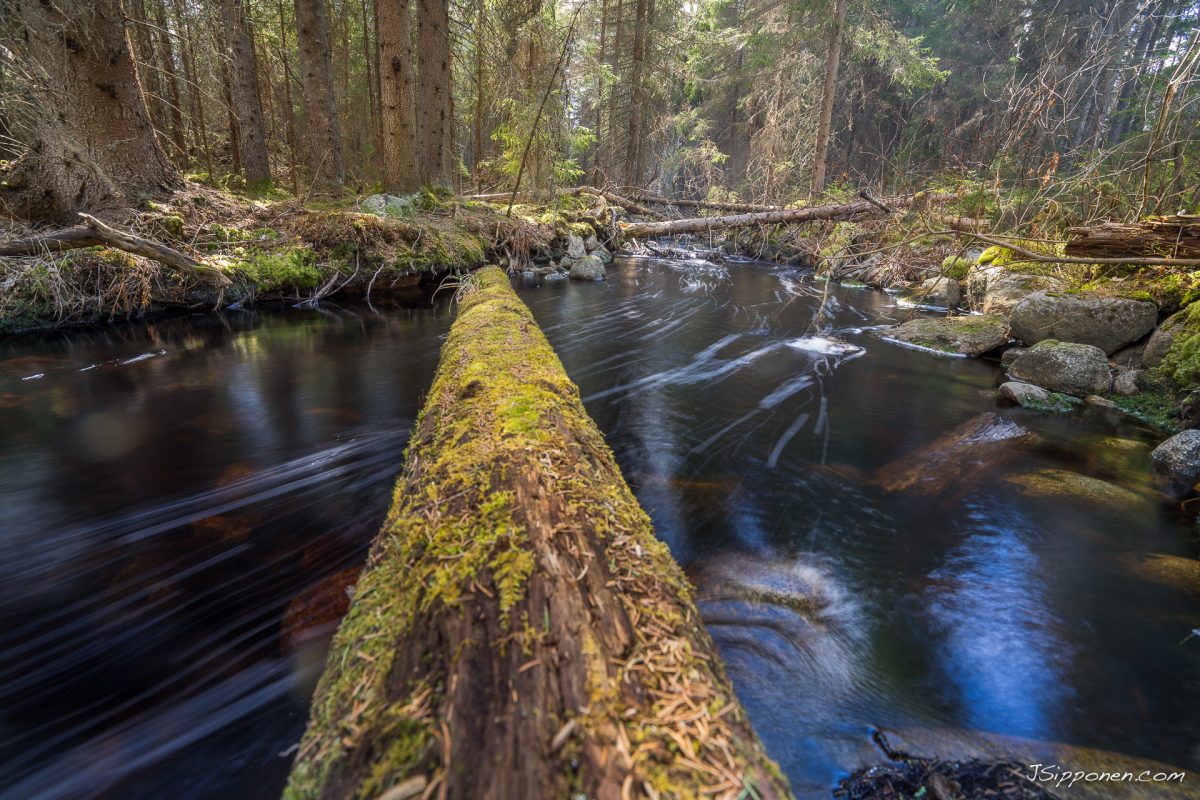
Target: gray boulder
pixel 555 276
pixel 968 336
pixel 1162 339
pixel 1006 290
pixel 588 268
pixel 933 293
pixel 591 243
pixel 1068 367
pixel 601 252
pixel 1035 397
pixel 575 248
pixel 1126 383
pixel 1105 322
pixel 387 205
pixel 1177 462
pixel 1010 355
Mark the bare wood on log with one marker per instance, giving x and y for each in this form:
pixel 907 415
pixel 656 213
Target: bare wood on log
pixel 519 632
pixel 611 197
pixel 1029 255
pixel 787 216
pixel 94 233
pixel 715 205
pixel 1177 236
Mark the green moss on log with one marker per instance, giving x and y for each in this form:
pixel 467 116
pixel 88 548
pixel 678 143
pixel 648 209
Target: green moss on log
pixel 519 630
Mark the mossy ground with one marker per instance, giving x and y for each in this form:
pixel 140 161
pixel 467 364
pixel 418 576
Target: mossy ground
pixel 270 246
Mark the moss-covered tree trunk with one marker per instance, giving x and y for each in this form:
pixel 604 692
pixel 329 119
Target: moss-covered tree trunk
pixel 519 631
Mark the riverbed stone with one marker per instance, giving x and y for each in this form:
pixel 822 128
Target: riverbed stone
pixel 1068 367
pixel 1177 462
pixel 1006 290
pixel 970 336
pixel 1162 339
pixel 575 246
pixel 588 268
pixel 1027 395
pixel 1010 355
pixel 1126 383
pixel 591 243
pixel 1109 323
pixel 934 293
pixel 1064 484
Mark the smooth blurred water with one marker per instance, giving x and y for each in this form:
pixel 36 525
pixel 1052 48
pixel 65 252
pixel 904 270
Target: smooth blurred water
pixel 168 492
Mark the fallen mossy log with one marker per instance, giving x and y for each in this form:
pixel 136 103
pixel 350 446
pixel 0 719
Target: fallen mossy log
pixel 1172 237
pixel 715 205
pixel 94 233
pixel 519 632
pixel 867 206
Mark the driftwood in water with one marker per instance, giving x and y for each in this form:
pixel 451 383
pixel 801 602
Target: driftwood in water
pixel 1176 236
pixel 960 458
pixel 94 233
pixel 519 632
pixel 865 207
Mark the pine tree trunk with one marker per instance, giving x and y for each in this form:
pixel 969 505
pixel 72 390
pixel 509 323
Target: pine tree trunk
pixel 247 106
pixel 324 132
pixel 828 96
pixel 173 98
pixel 94 146
pixel 637 96
pixel 396 95
pixel 433 95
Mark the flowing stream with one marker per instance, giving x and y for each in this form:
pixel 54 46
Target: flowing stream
pixel 182 503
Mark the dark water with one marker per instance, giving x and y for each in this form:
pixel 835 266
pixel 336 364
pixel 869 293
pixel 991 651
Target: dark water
pixel 168 491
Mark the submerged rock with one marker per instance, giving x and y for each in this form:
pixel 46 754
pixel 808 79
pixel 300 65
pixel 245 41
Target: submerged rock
pixel 1173 572
pixel 969 336
pixel 1177 462
pixel 1027 395
pixel 1108 323
pixel 1072 368
pixel 588 268
pixel 1063 484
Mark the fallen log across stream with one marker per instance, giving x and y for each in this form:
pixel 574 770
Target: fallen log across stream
pixel 864 207
pixel 519 632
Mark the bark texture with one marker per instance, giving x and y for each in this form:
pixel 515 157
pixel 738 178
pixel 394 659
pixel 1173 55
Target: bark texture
pixel 396 94
pixel 94 145
pixel 1175 236
pixel 519 632
pixel 247 106
pixel 433 96
pixel 833 55
pixel 324 131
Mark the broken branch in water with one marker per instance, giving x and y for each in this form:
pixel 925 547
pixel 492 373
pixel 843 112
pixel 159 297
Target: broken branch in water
pixel 94 233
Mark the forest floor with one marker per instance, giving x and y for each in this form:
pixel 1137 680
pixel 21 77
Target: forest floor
pixel 273 250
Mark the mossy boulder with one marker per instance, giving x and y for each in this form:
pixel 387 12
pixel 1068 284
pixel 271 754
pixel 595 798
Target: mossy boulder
pixel 1068 367
pixel 1108 323
pixel 1175 348
pixel 1164 337
pixel 1056 484
pixel 968 336
pixel 1027 395
pixel 1006 290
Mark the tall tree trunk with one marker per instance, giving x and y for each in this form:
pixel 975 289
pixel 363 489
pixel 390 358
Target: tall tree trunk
pixel 433 95
pixel 145 60
pixel 94 146
pixel 243 86
pixel 324 132
pixel 396 95
pixel 194 88
pixel 601 57
pixel 614 63
pixel 173 98
pixel 371 65
pixel 477 137
pixel 289 106
pixel 637 98
pixel 833 54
